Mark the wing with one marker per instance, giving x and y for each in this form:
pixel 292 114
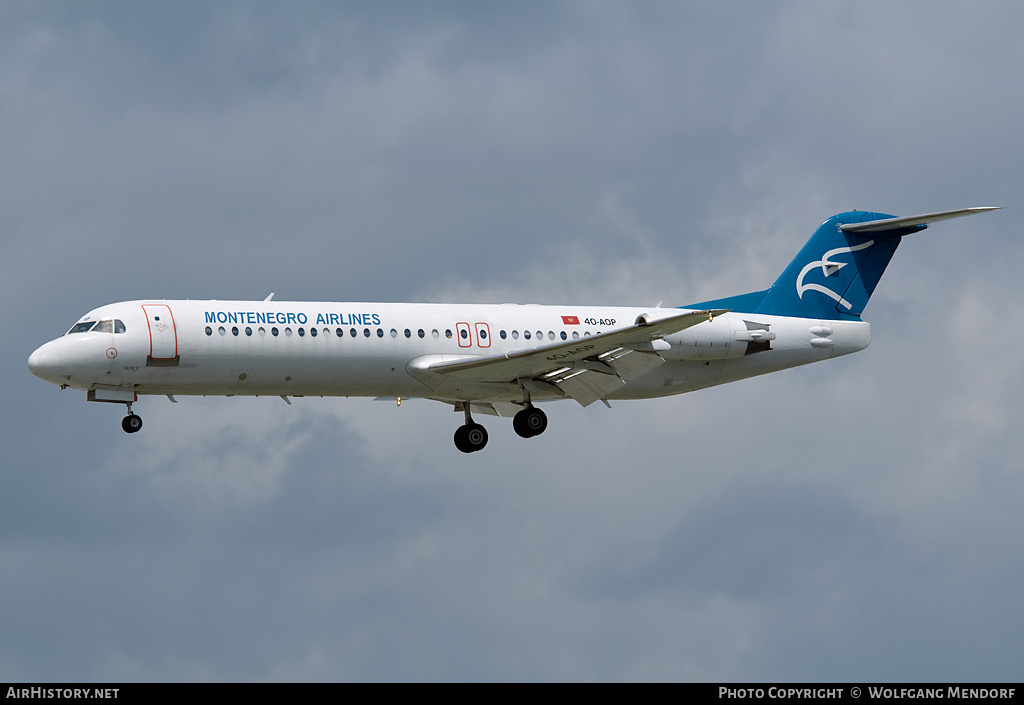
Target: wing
pixel 587 369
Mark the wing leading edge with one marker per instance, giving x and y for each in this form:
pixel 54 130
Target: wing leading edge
pixel 587 369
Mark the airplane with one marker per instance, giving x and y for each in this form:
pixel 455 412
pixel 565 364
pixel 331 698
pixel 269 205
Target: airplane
pixel 495 359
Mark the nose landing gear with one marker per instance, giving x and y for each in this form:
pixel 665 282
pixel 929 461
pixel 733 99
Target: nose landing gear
pixel 132 423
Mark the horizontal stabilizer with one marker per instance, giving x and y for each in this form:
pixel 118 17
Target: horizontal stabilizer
pixel 837 270
pixel 911 220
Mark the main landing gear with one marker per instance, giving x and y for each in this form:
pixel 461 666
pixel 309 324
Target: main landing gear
pixel 530 422
pixel 472 437
pixel 132 423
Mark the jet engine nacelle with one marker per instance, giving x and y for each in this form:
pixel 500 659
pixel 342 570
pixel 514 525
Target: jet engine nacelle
pixel 711 340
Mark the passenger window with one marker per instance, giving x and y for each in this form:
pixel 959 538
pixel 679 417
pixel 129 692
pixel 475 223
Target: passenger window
pixel 526 334
pixel 575 335
pixel 234 331
pixel 564 336
pixel 273 331
pixel 464 333
pixel 515 335
pixel 262 331
pixel 366 332
pixel 408 333
pixel 118 326
pixel 353 331
pixel 380 332
pixel 209 331
pixel 502 334
pixel 340 332
pixel 302 332
pixel 551 335
pixel 221 330
pixel 483 334
pixel 288 330
pixel 540 335
pixel 104 327
pixel 327 332
pixel 420 333
pixel 448 333
pixel 312 332
pixel 394 333
pixel 248 331
pixel 435 333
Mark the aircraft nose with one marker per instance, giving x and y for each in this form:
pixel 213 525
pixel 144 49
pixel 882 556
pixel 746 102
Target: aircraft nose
pixel 46 362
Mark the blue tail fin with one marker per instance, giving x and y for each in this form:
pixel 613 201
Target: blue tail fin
pixel 836 272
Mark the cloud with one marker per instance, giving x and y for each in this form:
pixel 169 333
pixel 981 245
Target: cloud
pixel 838 521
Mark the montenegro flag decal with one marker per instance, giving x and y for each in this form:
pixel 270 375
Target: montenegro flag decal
pixel 570 320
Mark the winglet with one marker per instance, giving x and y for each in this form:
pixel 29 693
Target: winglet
pixel 912 220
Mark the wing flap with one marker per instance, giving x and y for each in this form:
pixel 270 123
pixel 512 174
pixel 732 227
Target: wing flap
pixel 592 384
pixel 631 364
pixel 587 386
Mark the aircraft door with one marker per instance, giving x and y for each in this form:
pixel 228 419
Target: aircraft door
pixel 463 335
pixel 163 337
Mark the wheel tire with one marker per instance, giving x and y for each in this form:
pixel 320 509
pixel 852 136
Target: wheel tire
pixel 530 422
pixel 476 437
pixel 536 421
pixel 460 439
pixel 519 424
pixel 131 423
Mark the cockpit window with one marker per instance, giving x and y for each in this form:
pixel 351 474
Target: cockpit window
pixel 108 325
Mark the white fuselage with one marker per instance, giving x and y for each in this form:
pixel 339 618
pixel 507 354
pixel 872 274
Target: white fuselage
pixel 371 349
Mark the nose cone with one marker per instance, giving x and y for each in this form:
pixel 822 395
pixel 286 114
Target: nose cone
pixel 45 363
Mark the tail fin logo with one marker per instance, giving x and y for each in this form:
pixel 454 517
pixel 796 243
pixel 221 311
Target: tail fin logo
pixel 828 268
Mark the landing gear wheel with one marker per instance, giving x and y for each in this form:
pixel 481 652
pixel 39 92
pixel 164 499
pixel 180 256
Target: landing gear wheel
pixel 131 423
pixel 530 422
pixel 470 438
pixel 460 440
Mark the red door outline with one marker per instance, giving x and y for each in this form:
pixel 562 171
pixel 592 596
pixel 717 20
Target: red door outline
pixel 485 341
pixel 163 336
pixel 464 341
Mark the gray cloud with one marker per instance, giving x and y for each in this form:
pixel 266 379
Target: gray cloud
pixel 852 520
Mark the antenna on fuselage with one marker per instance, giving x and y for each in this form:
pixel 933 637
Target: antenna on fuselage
pixel 269 297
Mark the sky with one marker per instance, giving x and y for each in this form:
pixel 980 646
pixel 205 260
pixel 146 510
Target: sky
pixel 856 520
